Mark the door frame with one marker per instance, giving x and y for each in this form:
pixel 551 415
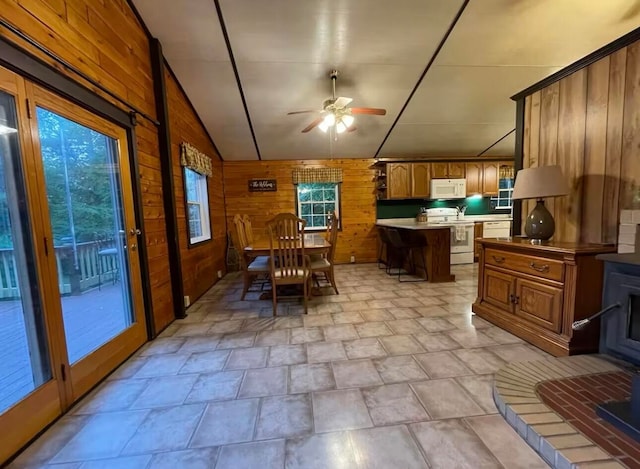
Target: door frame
pixel 41 73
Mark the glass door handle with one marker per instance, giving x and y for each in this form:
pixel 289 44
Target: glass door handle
pixel 135 232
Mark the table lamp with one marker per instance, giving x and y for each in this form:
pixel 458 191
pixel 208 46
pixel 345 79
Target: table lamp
pixel 537 183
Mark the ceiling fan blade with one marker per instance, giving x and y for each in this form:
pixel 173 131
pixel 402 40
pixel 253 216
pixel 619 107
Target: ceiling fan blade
pixel 368 110
pixel 313 124
pixel 353 128
pixel 342 102
pixel 301 112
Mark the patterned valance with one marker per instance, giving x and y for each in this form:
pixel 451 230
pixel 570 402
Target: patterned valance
pixel 506 172
pixel 311 175
pixel 191 158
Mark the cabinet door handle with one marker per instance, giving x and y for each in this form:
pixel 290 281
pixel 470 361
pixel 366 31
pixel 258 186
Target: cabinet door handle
pixel 514 299
pixel 498 259
pixel 539 268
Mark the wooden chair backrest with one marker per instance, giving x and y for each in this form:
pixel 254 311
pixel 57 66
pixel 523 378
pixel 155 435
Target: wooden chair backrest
pixel 240 232
pixel 286 242
pixel 332 235
pixel 248 229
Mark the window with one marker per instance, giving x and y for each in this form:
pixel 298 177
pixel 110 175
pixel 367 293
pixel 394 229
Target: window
pixel 197 206
pixel 315 201
pixel 505 192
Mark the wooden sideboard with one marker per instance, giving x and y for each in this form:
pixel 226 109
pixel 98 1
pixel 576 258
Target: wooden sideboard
pixel 537 291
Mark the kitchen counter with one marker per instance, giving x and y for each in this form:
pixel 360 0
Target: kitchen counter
pixel 412 224
pixel 436 254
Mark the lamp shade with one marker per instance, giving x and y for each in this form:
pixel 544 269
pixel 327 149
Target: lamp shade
pixel 536 183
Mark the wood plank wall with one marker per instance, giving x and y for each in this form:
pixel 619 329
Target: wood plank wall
pixel 358 208
pixel 105 41
pixel 589 124
pixel 201 262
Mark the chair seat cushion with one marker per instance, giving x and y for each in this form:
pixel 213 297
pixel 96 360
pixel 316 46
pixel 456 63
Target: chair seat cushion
pixel 315 257
pixel 319 264
pixel 260 263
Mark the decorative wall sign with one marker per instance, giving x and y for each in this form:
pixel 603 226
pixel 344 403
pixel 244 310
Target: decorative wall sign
pixel 263 185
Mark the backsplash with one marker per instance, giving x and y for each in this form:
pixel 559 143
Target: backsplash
pixel 410 208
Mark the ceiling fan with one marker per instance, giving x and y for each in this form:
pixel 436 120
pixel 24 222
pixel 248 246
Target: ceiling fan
pixel 335 115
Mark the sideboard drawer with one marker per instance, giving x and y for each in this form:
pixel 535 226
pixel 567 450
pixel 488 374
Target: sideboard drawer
pixel 538 266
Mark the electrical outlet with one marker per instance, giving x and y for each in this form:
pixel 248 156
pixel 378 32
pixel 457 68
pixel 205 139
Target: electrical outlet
pixel 353 259
pixel 219 273
pixel 187 301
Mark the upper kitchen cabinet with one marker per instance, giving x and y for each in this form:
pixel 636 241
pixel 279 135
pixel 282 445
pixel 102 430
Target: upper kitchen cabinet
pixel 490 178
pixel 398 180
pixel 447 170
pixel 474 176
pixel 420 180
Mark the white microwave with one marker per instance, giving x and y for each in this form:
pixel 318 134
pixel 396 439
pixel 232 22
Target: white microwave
pixel 448 189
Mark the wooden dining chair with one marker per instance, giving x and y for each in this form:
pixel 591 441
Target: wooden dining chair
pixel 253 269
pixel 289 264
pixel 325 263
pixel 248 229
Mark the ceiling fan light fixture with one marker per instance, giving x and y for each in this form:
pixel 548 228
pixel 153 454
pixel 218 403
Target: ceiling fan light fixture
pixel 340 127
pixel 323 126
pixel 348 120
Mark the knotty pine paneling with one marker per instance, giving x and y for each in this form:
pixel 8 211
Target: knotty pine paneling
pixel 104 40
pixel 589 124
pixel 358 204
pixel 200 263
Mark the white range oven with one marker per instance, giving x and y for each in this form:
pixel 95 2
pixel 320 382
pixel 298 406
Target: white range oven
pixel 461 233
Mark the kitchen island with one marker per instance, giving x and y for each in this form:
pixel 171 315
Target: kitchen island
pixel 438 247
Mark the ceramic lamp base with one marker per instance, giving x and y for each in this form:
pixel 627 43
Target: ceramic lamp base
pixel 539 225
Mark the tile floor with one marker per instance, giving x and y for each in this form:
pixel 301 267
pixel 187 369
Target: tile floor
pixel 384 375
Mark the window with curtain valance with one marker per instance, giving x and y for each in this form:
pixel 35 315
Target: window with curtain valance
pixel 317 194
pixel 196 168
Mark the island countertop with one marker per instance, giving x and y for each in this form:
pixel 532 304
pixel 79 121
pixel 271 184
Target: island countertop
pixel 412 224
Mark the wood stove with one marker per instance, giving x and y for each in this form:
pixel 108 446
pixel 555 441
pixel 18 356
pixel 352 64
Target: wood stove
pixel 620 334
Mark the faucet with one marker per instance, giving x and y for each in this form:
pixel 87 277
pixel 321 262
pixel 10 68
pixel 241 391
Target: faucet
pixel 460 209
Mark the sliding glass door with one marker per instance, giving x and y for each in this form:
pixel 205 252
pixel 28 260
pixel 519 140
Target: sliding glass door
pixel 71 306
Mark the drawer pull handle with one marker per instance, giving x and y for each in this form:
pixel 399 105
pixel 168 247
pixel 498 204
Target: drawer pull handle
pixel 514 299
pixel 539 268
pixel 498 259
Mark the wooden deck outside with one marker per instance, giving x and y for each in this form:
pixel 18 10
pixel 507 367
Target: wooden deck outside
pixel 90 319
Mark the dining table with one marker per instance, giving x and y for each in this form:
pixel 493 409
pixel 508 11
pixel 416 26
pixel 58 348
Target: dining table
pixel 314 243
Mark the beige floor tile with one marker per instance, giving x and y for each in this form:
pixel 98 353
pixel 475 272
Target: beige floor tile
pixel 165 391
pixel 220 386
pixel 339 410
pixel 225 423
pixel 437 342
pixel 405 326
pixel 450 444
pixel 389 447
pixel 376 315
pixel 340 332
pixel 403 312
pixel 515 353
pixel 304 335
pixel 471 338
pixel 316 320
pixel 364 348
pixel 355 374
pixel 284 417
pixel 322 451
pixel 401 345
pixel 200 458
pixel 272 337
pixel 241 359
pixel 435 324
pixel 399 369
pixel 260 454
pixel 287 355
pixel 373 329
pixel 505 444
pixel 393 403
pixel 264 382
pixel 313 377
pixel 480 388
pixel 319 352
pixel 442 365
pixel 351 317
pixel 479 360
pixel 445 398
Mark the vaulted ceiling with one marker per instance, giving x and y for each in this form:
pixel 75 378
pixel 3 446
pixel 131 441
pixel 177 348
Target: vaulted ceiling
pixel 245 63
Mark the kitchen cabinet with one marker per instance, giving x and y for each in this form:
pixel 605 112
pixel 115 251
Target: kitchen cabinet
pixel 537 291
pixel 474 176
pixel 398 180
pixel 408 180
pixel 420 180
pixel 447 170
pixel 490 178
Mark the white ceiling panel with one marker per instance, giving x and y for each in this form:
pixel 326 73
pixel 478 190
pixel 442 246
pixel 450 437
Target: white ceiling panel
pixel 472 95
pixel 505 147
pixel 536 32
pixel 284 50
pixel 443 139
pixel 337 31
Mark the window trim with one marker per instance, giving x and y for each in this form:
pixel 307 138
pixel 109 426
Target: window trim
pixel 207 212
pixel 338 206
